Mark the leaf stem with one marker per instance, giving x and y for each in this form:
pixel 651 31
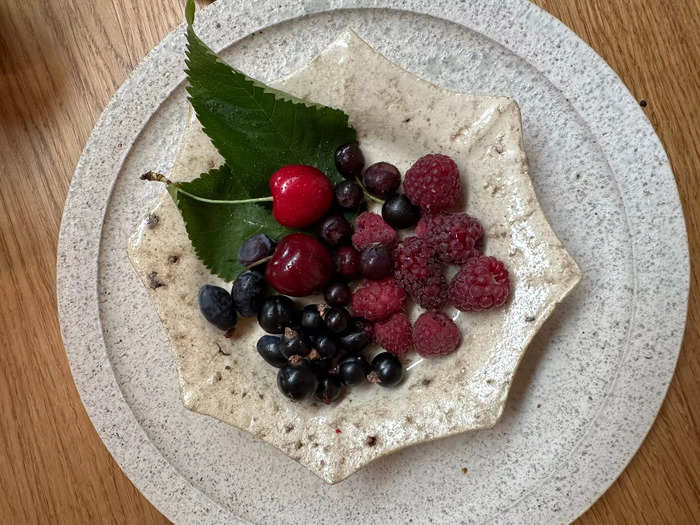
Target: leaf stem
pixel 158 177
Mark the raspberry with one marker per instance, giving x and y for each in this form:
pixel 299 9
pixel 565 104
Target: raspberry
pixel 370 228
pixel 435 334
pixel 394 334
pixel 433 183
pixel 480 284
pixel 419 273
pixel 377 300
pixel 456 238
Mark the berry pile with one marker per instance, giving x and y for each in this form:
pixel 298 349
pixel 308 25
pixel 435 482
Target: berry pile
pixel 322 348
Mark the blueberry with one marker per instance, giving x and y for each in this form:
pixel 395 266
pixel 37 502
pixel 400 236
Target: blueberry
pixel 353 369
pixel 348 195
pixel 335 230
pixel 217 307
pixel 337 294
pixel 295 343
pixel 269 349
pixel 337 319
pixel 276 313
pixel 382 179
pixel 254 249
pixel 347 262
pixel 349 160
pixel 388 369
pixel 398 212
pixel 311 320
pixel 248 292
pixel 376 261
pixel 329 389
pixel 325 346
pixel 354 340
pixel 296 381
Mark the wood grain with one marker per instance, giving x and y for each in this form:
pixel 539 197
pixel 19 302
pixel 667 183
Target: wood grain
pixel 61 61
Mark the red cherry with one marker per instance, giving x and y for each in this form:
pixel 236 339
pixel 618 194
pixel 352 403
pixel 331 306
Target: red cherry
pixel 301 195
pixel 300 266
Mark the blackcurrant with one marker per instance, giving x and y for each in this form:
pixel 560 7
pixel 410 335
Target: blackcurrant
pixel 335 230
pixel 295 343
pixel 353 369
pixel 348 195
pixel 347 262
pixel 382 179
pixel 398 212
pixel 329 389
pixel 325 346
pixel 354 340
pixel 337 319
pixel 276 313
pixel 349 160
pixel 217 307
pixel 376 261
pixel 269 349
pixel 296 381
pixel 388 369
pixel 255 249
pixel 321 366
pixel 337 294
pixel 311 320
pixel 248 292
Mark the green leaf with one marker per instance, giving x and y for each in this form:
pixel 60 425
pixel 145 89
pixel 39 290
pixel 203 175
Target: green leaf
pixel 218 230
pixel 255 128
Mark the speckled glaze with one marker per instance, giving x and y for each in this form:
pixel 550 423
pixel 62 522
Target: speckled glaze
pixel 398 117
pixel 588 387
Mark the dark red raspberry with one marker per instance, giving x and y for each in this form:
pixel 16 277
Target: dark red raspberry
pixel 456 238
pixel 394 334
pixel 370 228
pixel 419 273
pixel 435 334
pixel 433 183
pixel 480 284
pixel 377 300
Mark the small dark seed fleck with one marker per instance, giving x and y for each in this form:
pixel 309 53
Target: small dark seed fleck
pixel 426 382
pixel 153 281
pixel 371 441
pixel 529 319
pixel 173 259
pixel 152 220
pixel 288 428
pixel 464 470
pixel 643 103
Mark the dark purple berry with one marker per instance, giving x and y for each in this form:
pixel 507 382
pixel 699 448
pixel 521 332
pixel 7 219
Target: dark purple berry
pixel 296 381
pixel 348 195
pixel 277 313
pixel 325 346
pixel 295 343
pixel 353 369
pixel 248 293
pixel 382 179
pixel 337 319
pixel 376 261
pixel 349 160
pixel 269 349
pixel 335 230
pixel 338 294
pixel 388 369
pixel 347 262
pixel 398 212
pixel 329 389
pixel 217 307
pixel 321 366
pixel 354 341
pixel 311 320
pixel 360 323
pixel 255 249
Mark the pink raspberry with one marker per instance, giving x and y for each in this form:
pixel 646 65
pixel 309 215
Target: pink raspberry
pixel 456 238
pixel 435 334
pixel 370 228
pixel 377 300
pixel 419 273
pixel 480 284
pixel 433 183
pixel 394 334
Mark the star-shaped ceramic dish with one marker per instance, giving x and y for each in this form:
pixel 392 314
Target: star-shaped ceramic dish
pixel 398 117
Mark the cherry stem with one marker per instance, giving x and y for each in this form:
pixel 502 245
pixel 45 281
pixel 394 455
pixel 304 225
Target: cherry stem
pixel 157 177
pixel 368 194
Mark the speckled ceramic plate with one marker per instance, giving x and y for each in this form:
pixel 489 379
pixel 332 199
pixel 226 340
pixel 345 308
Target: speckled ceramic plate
pixel 589 386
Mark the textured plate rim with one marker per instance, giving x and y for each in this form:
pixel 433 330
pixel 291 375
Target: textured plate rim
pixel 558 54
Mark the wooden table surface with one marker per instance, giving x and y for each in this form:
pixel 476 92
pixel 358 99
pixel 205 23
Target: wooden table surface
pixel 61 61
